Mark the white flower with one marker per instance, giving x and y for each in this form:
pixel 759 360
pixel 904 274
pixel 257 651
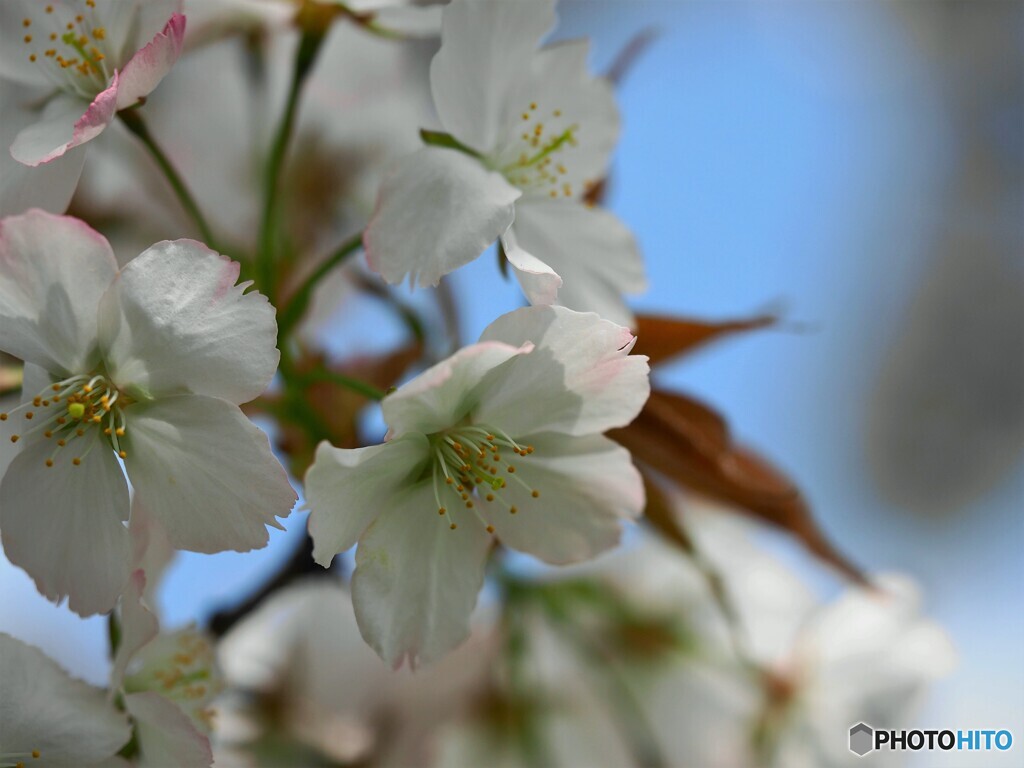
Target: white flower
pixel 301 650
pixel 502 438
pixel 536 130
pixel 868 656
pixel 50 720
pixel 146 365
pixel 79 62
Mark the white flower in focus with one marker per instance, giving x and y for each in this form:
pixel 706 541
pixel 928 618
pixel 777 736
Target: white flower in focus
pixel 76 63
pixel 503 439
pixel 536 131
pixel 146 365
pixel 50 720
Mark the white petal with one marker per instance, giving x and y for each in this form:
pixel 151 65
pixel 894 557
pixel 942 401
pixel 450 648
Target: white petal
pixel 579 380
pixel 441 396
pixel 586 485
pixel 540 282
pixel 53 271
pixel 71 723
pixel 206 473
pixel 438 209
pixel 175 321
pixel 416 580
pixel 346 489
pixel 152 551
pixel 166 734
pixel 153 16
pixel 21 187
pixel 63 524
pixel 138 627
pixel 410 20
pixel 33 380
pixel 66 122
pixel 567 97
pixel 484 46
pixel 594 253
pixel 14 52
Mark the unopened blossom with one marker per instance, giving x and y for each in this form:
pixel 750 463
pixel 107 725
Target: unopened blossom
pixel 146 366
pixel 529 132
pixel 69 67
pixel 49 719
pixel 503 440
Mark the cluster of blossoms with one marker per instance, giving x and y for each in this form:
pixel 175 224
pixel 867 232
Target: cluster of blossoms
pixel 131 436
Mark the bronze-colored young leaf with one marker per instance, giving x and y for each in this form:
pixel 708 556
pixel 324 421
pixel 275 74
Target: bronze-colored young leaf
pixel 689 444
pixel 662 337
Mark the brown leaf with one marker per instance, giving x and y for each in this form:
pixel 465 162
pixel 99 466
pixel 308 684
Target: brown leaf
pixel 689 444
pixel 662 337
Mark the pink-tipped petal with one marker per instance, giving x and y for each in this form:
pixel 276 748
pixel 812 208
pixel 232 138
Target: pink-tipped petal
pixel 63 126
pixel 144 71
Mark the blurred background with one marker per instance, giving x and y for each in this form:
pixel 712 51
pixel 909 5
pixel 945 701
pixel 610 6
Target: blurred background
pixel 860 167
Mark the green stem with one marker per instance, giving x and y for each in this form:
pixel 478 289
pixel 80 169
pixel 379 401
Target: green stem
pixel 356 385
pixel 305 57
pixel 133 121
pixel 301 298
pixel 113 633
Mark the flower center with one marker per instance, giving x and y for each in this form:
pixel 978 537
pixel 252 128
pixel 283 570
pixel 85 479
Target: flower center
pixel 181 669
pixel 468 464
pixel 17 759
pixel 76 411
pixel 69 46
pixel 532 162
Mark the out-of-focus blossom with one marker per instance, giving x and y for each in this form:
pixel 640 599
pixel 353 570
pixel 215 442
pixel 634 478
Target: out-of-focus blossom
pixel 50 720
pixel 634 653
pixel 361 107
pixel 868 656
pixel 542 384
pixel 166 680
pixel 529 131
pixel 298 673
pixel 214 19
pixel 146 365
pixel 78 63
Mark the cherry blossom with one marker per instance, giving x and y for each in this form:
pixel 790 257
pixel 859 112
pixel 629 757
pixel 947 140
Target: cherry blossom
pixel 500 441
pixel 75 63
pixel 146 366
pixel 528 133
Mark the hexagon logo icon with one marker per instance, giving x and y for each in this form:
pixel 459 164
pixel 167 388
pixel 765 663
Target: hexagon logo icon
pixel 862 739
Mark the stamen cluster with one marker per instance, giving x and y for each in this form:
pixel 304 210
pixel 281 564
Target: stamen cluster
pixel 70 49
pixel 78 407
pixel 469 464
